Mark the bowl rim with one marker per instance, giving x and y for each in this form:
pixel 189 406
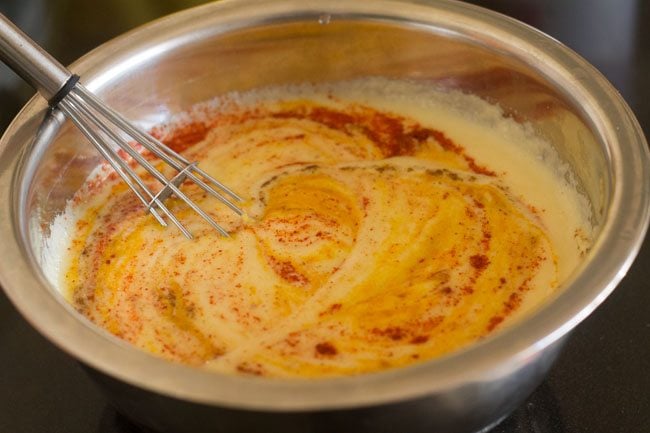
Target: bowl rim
pixel 622 234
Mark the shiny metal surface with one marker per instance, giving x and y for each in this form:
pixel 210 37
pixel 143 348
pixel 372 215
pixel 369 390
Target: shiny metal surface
pixel 30 61
pixel 108 131
pixel 167 66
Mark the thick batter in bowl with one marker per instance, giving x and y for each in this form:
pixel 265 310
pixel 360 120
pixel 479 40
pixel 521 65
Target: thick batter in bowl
pixel 171 65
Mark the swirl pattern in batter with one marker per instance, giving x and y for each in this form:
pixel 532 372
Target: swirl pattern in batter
pixel 371 241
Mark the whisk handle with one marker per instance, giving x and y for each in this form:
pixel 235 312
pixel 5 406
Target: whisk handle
pixel 30 61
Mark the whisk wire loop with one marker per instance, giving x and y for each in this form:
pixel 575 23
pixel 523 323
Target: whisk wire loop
pixel 106 130
pixel 162 151
pixel 117 163
pixel 72 111
pixel 107 133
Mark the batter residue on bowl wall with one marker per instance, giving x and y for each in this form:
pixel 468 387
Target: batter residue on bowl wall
pixel 387 224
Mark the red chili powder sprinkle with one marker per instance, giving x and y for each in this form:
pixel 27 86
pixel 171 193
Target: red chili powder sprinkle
pixel 326 349
pixel 390 133
pixel 479 261
pixel 331 310
pixel 393 332
pixel 335 307
pixel 184 136
pixel 513 302
pixel 246 368
pixel 288 272
pixel 494 322
pixel 420 339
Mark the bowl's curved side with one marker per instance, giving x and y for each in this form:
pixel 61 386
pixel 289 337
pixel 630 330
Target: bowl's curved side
pixel 476 407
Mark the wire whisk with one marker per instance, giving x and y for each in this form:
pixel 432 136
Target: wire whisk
pixel 109 132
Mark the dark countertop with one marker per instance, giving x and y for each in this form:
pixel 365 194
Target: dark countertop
pixel 600 384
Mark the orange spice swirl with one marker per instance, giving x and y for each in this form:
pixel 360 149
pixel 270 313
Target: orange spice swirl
pixel 371 242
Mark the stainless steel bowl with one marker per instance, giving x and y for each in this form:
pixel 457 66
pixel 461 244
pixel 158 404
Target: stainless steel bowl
pixel 167 66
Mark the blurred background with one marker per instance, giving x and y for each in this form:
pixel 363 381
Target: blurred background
pixel 601 383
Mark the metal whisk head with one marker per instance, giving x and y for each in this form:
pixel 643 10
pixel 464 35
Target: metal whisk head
pixel 107 130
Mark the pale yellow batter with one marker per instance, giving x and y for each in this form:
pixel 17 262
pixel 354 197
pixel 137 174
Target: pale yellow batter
pixel 382 230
